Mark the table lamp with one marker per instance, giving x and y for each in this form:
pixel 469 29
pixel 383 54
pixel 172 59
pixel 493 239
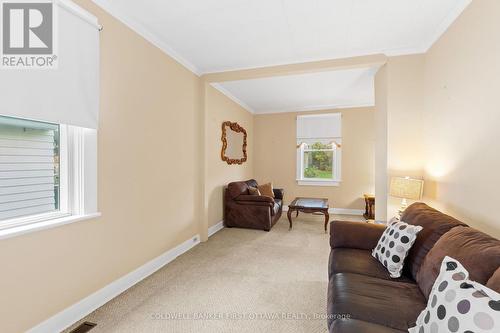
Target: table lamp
pixel 406 188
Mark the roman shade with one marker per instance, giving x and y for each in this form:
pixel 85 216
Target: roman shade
pixel 69 93
pixel 319 127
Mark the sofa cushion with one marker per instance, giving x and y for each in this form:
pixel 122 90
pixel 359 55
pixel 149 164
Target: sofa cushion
pixel 236 189
pixel 494 281
pixel 253 190
pixel 343 260
pixel 359 326
pixel 266 189
pixel 458 303
pixel 478 252
pixel 276 207
pixel 252 182
pixel 388 303
pixel 394 245
pixel 355 235
pixel 254 199
pixel 279 193
pixel 434 224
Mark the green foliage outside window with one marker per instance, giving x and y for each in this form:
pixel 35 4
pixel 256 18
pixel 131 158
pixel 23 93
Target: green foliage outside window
pixel 318 161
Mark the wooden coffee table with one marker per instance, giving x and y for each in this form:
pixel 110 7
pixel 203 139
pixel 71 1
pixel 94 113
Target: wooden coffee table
pixel 308 205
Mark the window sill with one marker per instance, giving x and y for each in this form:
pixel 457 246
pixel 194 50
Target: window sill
pixel 311 182
pixel 42 225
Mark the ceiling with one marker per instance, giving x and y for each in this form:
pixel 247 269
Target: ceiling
pixel 305 92
pixel 219 35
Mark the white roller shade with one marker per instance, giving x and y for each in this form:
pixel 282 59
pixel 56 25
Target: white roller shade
pixel 321 126
pixel 68 94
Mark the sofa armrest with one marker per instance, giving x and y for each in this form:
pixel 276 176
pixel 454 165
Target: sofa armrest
pixel 355 235
pixel 266 205
pixel 254 198
pixel 279 193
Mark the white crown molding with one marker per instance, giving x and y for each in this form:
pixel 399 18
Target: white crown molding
pixel 215 228
pixel 77 311
pixel 445 25
pixel 392 52
pixel 80 12
pixel 401 51
pixel 235 99
pixel 147 35
pixel 297 62
pixel 318 108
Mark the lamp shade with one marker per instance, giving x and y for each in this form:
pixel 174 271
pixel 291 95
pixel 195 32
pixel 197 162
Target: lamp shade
pixel 406 188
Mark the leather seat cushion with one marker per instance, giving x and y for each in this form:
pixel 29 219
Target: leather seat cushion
pixel 379 301
pixel 359 326
pixel 344 260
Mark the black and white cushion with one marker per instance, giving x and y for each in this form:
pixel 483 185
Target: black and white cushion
pixel 394 244
pixel 457 304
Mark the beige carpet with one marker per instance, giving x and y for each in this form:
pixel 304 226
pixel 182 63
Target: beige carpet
pixel 241 280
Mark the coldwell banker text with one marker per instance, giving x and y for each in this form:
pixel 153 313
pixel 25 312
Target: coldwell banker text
pixel 28 35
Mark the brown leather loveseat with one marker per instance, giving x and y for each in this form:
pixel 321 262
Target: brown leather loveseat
pixel 251 211
pixel 362 298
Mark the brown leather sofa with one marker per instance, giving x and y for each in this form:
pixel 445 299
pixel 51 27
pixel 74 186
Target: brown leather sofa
pixel 251 211
pixel 362 298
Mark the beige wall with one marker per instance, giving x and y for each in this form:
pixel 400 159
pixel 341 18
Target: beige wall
pixel 442 118
pixel 380 123
pixel 405 103
pixel 399 142
pixel 462 116
pixel 148 185
pixel 218 109
pixel 275 157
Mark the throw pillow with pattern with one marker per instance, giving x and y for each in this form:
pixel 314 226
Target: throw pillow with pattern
pixel 394 245
pixel 457 304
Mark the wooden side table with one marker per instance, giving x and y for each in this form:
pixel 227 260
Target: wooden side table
pixel 369 207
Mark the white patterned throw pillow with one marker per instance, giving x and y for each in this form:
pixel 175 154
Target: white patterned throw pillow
pixel 394 244
pixel 457 304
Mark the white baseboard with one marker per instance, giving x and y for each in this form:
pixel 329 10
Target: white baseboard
pixel 340 211
pixel 215 228
pixel 77 311
pixel 346 211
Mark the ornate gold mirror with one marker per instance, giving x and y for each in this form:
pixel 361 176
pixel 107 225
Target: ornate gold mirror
pixel 234 143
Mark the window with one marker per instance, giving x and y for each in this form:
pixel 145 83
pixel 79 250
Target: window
pixel 319 149
pixel 31 171
pixel 48 131
pixel 46 174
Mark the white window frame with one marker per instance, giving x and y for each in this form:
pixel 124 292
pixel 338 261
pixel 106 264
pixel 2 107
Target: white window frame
pixel 78 185
pixel 337 164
